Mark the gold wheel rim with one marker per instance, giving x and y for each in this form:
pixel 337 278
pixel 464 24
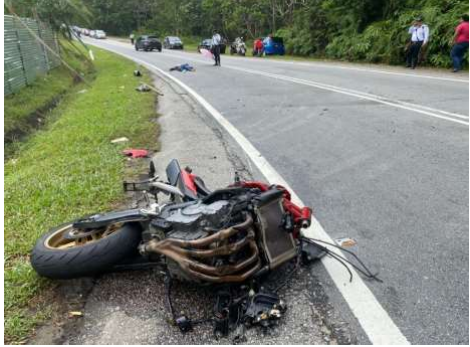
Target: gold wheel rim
pixel 57 240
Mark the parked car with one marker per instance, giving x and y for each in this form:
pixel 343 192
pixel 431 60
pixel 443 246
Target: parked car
pixel 172 42
pixel 207 43
pixel 273 46
pixel 99 34
pixel 91 33
pixel 148 43
pixel 85 32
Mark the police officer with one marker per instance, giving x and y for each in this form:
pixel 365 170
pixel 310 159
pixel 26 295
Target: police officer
pixel 419 38
pixel 216 41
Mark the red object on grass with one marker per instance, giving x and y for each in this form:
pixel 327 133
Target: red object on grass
pixel 135 153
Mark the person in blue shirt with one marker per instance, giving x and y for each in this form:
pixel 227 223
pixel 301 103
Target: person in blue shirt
pixel 419 36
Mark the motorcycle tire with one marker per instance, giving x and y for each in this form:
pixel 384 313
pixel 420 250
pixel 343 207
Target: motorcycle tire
pixel 88 259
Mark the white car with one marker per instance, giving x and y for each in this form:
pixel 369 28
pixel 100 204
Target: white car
pixel 99 34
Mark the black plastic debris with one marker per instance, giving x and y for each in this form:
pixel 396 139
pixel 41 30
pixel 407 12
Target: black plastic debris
pixel 264 309
pixel 137 73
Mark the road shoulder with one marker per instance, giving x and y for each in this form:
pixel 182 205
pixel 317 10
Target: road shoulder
pixel 129 308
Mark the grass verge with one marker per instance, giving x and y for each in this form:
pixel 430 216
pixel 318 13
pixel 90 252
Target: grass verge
pixel 67 169
pixel 26 109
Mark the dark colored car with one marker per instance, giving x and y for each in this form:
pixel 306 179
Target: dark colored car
pixel 273 46
pixel 148 43
pixel 172 42
pixel 207 43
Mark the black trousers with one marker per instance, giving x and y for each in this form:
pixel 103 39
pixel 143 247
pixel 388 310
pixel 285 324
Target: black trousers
pixel 216 53
pixel 413 54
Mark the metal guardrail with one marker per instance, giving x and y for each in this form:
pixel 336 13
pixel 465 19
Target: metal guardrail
pixel 24 58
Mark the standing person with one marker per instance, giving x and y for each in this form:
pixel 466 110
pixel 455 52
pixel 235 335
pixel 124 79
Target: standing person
pixel 216 40
pixel 131 37
pixel 460 43
pixel 419 39
pixel 258 47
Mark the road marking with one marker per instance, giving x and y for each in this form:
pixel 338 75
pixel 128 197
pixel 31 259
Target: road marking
pixel 374 320
pixel 428 111
pixel 425 110
pixel 409 74
pixel 432 112
pixel 328 66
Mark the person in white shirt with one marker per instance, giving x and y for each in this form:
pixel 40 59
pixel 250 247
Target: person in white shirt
pixel 216 41
pixel 419 38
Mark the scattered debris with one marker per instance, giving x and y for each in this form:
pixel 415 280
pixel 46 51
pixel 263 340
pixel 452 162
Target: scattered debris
pixel 136 153
pixel 120 139
pixel 143 88
pixel 137 73
pixel 82 91
pixel 146 88
pixel 73 314
pixel 346 242
pixel 183 68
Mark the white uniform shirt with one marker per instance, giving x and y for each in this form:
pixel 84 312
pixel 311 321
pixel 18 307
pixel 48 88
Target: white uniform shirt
pixel 216 39
pixel 420 33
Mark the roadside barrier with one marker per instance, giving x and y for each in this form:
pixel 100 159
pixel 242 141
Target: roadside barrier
pixel 24 57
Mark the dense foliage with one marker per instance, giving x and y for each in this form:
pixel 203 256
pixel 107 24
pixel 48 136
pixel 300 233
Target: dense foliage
pixel 365 30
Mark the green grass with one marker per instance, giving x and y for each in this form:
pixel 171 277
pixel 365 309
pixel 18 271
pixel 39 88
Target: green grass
pixel 35 99
pixel 65 170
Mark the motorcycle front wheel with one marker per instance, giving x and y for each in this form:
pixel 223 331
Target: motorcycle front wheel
pixel 59 257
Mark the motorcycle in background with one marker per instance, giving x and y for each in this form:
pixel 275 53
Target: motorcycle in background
pixel 238 47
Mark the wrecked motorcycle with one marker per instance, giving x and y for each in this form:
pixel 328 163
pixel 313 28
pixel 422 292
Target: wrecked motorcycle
pixel 226 237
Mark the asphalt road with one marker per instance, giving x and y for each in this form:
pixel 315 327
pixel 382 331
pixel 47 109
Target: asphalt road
pixel 381 154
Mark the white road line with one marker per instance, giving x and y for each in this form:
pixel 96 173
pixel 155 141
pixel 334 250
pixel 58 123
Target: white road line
pixel 375 321
pixel 361 95
pixel 425 110
pixel 409 74
pixel 428 111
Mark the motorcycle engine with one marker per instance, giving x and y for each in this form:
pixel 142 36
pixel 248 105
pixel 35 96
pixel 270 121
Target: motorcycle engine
pixel 188 222
pixel 228 236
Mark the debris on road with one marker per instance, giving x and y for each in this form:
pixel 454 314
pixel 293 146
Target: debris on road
pixel 146 88
pixel 135 153
pixel 120 140
pixel 183 68
pixel 143 88
pixel 346 242
pixel 75 314
pixel 230 238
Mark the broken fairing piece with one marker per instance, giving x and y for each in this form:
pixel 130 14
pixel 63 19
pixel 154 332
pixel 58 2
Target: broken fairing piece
pixel 135 153
pixel 73 314
pixel 312 252
pixel 137 73
pixel 264 309
pixel 143 88
pixel 120 140
pixel 346 242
